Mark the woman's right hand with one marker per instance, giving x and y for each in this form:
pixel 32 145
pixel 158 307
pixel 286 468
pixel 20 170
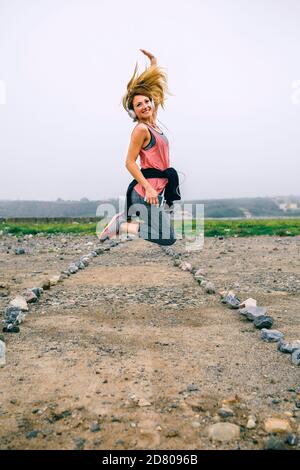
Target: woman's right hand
pixel 151 195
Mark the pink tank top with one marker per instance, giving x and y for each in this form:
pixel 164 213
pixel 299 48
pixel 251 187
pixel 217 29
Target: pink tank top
pixel 156 156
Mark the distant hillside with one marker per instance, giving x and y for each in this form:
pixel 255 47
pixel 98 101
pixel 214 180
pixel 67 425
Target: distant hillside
pixel 249 207
pixel 42 209
pixel 285 206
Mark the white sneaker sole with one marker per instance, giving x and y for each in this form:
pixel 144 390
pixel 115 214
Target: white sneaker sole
pixel 105 234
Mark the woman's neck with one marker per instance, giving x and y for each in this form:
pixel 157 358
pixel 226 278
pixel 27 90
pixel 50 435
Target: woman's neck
pixel 150 123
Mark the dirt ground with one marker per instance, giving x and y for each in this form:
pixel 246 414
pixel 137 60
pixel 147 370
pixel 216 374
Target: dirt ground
pixel 131 353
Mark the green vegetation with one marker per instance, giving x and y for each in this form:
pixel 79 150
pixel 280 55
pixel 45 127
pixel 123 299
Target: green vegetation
pixel 252 227
pixel 212 227
pixel 52 226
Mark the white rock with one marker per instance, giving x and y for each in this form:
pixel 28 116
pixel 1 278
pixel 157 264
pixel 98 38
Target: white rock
pixel 72 268
pixel 210 288
pixel 277 425
pixel 225 293
pixel 199 273
pixel 19 302
pixel 143 402
pixel 2 354
pixel 55 280
pixel 195 424
pixel 251 424
pixel 223 432
pixel 185 266
pixel 20 318
pixel 248 303
pixel 30 296
pixel 133 398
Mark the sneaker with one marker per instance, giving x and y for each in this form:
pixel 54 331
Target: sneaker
pixel 112 228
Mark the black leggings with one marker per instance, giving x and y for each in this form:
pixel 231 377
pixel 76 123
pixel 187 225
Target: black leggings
pixel 156 225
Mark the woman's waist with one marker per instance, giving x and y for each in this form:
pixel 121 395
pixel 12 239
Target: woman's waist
pixel 160 167
pixel 157 183
pixel 154 173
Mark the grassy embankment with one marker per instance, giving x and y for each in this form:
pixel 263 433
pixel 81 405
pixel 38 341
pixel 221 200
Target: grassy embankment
pixel 215 227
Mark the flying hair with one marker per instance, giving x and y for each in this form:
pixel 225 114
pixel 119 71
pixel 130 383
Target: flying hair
pixel 152 83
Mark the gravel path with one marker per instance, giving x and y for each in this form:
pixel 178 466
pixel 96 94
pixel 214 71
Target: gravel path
pixel 131 353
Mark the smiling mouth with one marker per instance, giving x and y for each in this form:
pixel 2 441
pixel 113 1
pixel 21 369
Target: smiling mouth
pixel 147 110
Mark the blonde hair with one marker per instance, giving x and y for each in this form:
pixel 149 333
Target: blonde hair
pixel 152 83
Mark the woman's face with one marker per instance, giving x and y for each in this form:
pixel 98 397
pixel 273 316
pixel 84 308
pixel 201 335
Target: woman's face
pixel 142 107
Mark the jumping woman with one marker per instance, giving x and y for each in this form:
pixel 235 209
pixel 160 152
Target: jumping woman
pixel 150 196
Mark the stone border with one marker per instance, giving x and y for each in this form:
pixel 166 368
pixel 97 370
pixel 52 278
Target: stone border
pixel 16 311
pixel 247 308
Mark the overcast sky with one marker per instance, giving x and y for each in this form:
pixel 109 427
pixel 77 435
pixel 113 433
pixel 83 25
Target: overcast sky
pixel 233 122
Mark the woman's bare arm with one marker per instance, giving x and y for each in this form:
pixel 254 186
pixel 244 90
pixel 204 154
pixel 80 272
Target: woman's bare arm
pixel 153 59
pixel 137 140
